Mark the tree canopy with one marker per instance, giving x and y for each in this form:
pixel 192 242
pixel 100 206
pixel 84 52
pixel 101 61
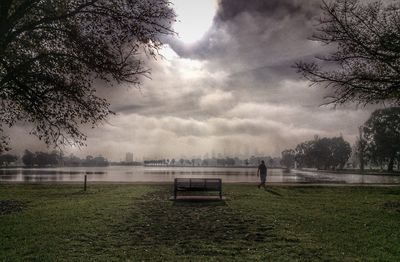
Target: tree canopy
pixel 51 51
pixel 6 159
pixel 288 158
pixel 41 158
pixel 382 136
pixel 323 153
pixel 365 67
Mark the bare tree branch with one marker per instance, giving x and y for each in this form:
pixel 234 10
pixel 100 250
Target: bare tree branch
pixel 367 57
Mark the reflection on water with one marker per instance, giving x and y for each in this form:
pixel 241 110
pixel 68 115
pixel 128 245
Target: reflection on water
pixel 167 174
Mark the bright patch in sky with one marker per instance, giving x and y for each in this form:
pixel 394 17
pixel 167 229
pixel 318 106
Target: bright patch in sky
pixel 194 18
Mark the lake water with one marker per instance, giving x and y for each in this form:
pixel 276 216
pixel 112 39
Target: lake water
pixel 167 174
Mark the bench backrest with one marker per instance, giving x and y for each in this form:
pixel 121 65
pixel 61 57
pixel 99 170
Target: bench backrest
pixel 201 183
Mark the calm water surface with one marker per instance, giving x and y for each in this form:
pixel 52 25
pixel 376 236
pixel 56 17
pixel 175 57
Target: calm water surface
pixel 167 174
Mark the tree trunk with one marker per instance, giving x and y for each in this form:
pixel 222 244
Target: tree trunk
pixel 391 164
pixel 361 150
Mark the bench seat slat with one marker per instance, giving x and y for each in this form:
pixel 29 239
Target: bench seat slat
pixel 197 184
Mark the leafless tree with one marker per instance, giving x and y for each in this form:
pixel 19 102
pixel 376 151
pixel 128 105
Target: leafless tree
pixel 365 66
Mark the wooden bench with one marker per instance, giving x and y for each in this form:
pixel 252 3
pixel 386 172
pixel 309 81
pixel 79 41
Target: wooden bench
pixel 197 184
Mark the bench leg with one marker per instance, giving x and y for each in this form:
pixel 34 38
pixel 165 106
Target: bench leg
pixel 175 193
pixel 220 193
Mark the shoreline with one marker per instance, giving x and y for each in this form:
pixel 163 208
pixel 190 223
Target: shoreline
pixel 170 166
pixel 272 184
pixel 352 172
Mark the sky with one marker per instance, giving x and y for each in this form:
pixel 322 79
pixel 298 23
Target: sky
pixel 225 85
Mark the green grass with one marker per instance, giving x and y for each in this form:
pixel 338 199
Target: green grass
pixel 138 222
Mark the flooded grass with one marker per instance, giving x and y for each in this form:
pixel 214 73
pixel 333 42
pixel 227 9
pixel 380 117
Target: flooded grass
pixel 138 222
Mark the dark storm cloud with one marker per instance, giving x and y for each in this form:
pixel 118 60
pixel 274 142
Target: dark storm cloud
pixel 244 26
pixel 228 9
pixel 257 43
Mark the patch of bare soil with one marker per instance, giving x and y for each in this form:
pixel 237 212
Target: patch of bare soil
pixel 10 206
pixel 394 205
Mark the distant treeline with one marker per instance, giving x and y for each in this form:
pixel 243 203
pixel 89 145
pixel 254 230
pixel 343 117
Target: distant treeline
pixel 321 153
pixel 226 162
pixel 7 159
pixel 54 158
pixel 123 163
pixel 378 146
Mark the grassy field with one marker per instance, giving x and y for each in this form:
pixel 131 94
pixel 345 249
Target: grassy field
pixel 138 222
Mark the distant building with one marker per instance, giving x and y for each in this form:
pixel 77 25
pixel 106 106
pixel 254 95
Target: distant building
pixel 129 157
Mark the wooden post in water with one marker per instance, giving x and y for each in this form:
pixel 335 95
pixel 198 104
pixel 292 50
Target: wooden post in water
pixel 84 185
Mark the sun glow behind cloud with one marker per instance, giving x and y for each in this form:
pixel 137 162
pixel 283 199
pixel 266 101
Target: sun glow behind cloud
pixel 194 18
pixel 188 68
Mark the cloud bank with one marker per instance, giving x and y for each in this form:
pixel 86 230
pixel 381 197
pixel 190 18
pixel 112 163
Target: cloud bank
pixel 233 92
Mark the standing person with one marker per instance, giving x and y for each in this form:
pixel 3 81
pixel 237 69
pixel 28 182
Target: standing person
pixel 262 172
